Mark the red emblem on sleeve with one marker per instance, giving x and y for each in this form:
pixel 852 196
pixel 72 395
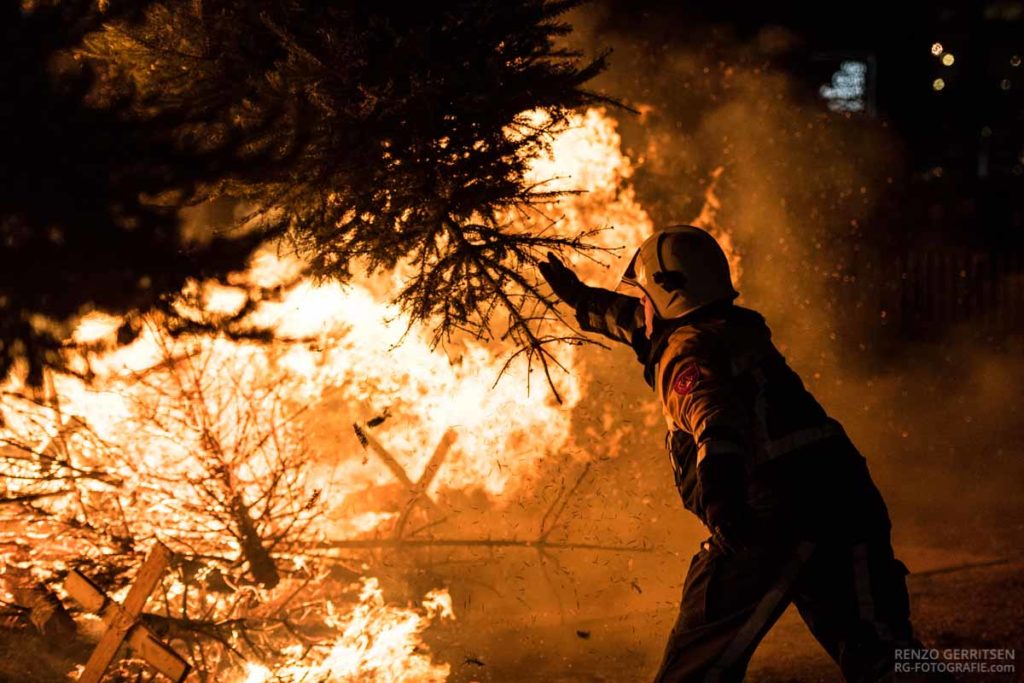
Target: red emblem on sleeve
pixel 686 379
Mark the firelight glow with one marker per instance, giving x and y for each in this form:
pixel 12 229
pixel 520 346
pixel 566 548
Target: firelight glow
pixel 159 404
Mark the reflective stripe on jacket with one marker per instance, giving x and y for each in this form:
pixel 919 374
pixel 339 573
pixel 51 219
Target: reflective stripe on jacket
pixel 721 379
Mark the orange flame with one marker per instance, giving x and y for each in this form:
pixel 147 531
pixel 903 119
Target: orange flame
pixel 377 642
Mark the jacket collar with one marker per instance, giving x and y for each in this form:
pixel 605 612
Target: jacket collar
pixel 663 329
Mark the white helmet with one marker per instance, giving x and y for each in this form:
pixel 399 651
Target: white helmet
pixel 680 269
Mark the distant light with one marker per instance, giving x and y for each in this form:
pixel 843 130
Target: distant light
pixel 948 59
pixel 939 84
pixel 937 49
pixel 1015 60
pixel 986 132
pixel 848 89
pixel 1005 84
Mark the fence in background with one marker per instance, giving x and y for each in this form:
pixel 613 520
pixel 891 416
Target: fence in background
pixel 938 288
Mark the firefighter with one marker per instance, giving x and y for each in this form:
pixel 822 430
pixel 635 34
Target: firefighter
pixel 793 513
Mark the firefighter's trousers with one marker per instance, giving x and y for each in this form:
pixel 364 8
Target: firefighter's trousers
pixel 853 598
pixel 824 545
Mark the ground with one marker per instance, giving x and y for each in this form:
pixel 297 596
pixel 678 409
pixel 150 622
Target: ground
pixel 969 603
pixel 958 601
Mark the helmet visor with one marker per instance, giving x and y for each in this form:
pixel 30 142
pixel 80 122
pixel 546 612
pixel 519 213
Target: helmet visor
pixel 635 282
pixel 630 280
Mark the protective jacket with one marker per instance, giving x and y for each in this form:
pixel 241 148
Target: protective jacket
pixel 723 386
pixel 820 527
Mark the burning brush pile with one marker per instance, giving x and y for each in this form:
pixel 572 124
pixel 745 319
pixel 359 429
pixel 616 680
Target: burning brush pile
pixel 285 468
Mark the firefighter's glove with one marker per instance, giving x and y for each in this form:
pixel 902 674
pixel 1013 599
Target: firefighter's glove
pixel 721 478
pixel 564 283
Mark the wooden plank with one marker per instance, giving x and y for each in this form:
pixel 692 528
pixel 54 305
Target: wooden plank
pixel 160 656
pixel 146 581
pixel 103 655
pixel 386 457
pixel 436 460
pixel 418 494
pixel 85 592
pixel 392 464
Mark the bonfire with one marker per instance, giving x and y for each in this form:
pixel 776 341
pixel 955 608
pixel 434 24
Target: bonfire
pixel 286 468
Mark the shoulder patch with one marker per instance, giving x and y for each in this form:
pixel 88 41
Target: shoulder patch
pixel 686 379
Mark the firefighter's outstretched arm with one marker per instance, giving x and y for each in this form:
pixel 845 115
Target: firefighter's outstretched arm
pixel 701 398
pixel 615 316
